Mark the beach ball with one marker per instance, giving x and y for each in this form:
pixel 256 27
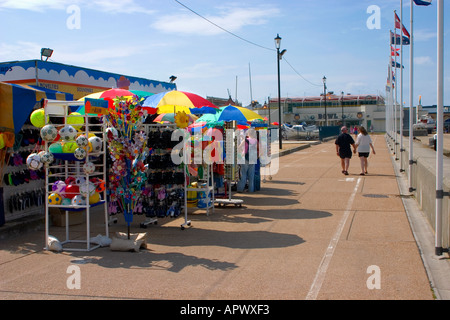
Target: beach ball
pixel 75 119
pixel 66 202
pixel 100 186
pixel 49 133
pixel 79 153
pixel 96 144
pixel 88 168
pixel 59 187
pixel 71 191
pixel 94 198
pixel 54 198
pixel 112 133
pixel 37 118
pixel 87 190
pixel 69 147
pixel 56 147
pixel 82 141
pixel 2 141
pixel 34 161
pixel 47 157
pixel 79 200
pixel 68 133
pixel 80 180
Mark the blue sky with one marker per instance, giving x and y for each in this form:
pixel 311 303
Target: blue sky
pixel 155 39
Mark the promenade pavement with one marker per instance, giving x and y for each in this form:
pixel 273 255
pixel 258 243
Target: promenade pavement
pixel 309 233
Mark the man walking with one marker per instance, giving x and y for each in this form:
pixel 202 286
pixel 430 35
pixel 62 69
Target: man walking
pixel 343 150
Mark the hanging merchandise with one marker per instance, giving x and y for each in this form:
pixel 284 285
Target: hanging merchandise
pixel 163 194
pixel 127 147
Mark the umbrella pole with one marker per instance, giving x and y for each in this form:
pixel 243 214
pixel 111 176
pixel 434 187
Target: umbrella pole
pixel 229 190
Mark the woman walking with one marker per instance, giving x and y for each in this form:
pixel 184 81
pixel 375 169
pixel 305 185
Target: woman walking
pixel 364 144
pixel 343 143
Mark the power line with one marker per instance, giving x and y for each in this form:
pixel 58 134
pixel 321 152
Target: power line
pixel 317 85
pixel 233 34
pixel 248 41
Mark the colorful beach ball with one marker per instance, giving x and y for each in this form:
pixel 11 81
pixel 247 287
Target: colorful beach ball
pixel 96 144
pixel 47 157
pixel 37 118
pixel 54 198
pixel 69 147
pixel 94 198
pixel 76 120
pixel 79 200
pixel 87 190
pixel 100 186
pixel 34 161
pixel 71 191
pixel 112 133
pixel 88 168
pixel 79 153
pixel 68 133
pixel 59 187
pixel 56 147
pixel 82 141
pixel 49 133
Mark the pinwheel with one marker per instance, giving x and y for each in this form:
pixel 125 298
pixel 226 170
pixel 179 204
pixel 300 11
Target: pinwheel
pixel 128 151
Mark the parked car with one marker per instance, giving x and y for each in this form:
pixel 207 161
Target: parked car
pixel 300 132
pixel 426 123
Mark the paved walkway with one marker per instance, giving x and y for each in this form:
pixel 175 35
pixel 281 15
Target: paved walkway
pixel 309 233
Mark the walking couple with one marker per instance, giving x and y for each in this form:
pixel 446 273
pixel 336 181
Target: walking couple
pixel 363 144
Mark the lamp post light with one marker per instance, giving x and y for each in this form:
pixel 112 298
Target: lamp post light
pixel 279 55
pixel 342 106
pixel 46 52
pixel 325 98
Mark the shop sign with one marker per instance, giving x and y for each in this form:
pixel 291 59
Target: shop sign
pixel 330 116
pixel 98 106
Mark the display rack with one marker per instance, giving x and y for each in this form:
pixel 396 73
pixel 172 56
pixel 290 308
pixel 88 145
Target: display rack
pixel 162 197
pixel 70 168
pixel 231 169
pixel 207 189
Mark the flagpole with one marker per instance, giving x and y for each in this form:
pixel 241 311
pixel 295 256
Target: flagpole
pixel 396 90
pixel 391 96
pixel 401 89
pixel 411 107
pixel 440 126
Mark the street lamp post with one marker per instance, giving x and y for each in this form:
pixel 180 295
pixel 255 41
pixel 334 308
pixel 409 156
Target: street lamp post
pixel 277 44
pixel 342 106
pixel 325 98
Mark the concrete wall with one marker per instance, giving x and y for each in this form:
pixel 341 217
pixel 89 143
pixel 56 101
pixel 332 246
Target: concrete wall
pixel 424 181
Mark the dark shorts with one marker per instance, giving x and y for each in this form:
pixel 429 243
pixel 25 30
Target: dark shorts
pixel 363 154
pixel 345 154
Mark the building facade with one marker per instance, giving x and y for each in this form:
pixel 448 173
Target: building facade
pixel 78 81
pixel 349 110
